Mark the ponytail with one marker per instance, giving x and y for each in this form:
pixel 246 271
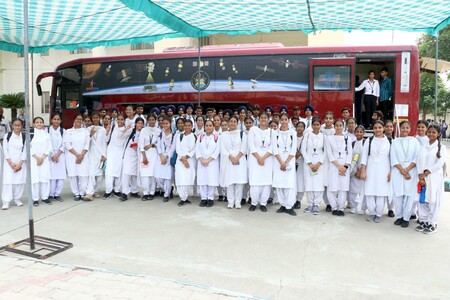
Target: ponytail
pixel 438 153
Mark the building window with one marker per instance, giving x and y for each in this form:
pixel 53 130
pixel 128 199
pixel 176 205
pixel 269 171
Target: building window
pixel 45 103
pixel 19 55
pixel 205 41
pixel 81 50
pixel 143 46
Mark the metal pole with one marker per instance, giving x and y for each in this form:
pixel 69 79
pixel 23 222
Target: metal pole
pixel 32 92
pixel 198 77
pixel 436 77
pixel 27 122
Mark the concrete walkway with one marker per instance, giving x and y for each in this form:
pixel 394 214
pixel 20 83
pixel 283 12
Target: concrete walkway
pixel 266 255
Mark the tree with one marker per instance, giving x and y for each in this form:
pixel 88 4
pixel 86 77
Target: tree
pixel 13 101
pixel 427 48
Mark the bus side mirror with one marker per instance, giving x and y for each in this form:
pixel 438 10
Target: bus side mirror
pixel 39 89
pixel 58 106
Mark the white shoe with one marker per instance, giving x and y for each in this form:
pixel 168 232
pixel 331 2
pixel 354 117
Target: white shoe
pixel 353 210
pixel 230 206
pixel 19 203
pixel 362 212
pixel 5 206
pixel 238 206
pixel 97 195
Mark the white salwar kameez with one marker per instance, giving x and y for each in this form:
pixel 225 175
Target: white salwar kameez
pixel 13 182
pixel 299 170
pixel 97 150
pixel 430 210
pixel 148 137
pixel 404 151
pixel 130 166
pixel 185 177
pixel 356 184
pixel 78 140
pixel 58 172
pixel 114 153
pixel 40 145
pixel 208 146
pixel 313 151
pixel 260 176
pixel 376 186
pixel 338 149
pixel 284 144
pixel 164 172
pixel 233 177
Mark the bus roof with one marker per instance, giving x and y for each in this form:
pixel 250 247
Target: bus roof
pixel 246 49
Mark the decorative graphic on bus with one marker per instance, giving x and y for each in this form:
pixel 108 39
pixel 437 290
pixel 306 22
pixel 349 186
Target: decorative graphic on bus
pixel 218 74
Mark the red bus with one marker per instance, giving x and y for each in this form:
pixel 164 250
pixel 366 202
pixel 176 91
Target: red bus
pixel 234 75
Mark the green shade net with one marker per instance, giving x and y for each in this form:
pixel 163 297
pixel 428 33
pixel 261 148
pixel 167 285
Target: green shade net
pixel 67 24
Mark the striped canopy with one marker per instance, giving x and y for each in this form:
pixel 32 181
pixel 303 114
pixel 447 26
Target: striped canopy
pixel 67 24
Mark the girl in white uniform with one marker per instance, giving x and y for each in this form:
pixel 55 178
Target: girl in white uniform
pixel 77 145
pixel 432 158
pixel 339 155
pixel 274 125
pixel 40 148
pixel 113 173
pixel 165 146
pixel 200 123
pixel 376 172
pixel 356 184
pixel 185 164
pixel 207 152
pixel 313 151
pixel 249 123
pixel 130 157
pixel 284 145
pixel 233 170
pixel 147 143
pixel 58 172
pixel 260 162
pixel 97 157
pixel 404 153
pixel 422 126
pixel 300 127
pixel 327 129
pixel 14 165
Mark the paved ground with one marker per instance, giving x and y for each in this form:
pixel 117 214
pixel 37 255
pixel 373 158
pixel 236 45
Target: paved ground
pixel 206 252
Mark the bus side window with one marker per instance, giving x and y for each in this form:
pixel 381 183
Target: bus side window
pixel 71 99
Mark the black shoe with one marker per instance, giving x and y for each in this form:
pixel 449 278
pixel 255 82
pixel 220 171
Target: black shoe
pixel 35 203
pixel 413 217
pixel 187 202
pixel 220 199
pixel 135 195
pixel 151 197
pixel 282 209
pixel 171 193
pixel 340 213
pixel 391 214
pixel 263 208
pixel 118 194
pixel 334 213
pixel 243 201
pixel 77 198
pixel 58 198
pixel 297 205
pixel 202 203
pixel 328 209
pixel 405 224
pixel 252 208
pixel 51 198
pixel 270 201
pixel 249 201
pixel 291 212
pixel 166 199
pixel 181 203
pixel 47 201
pixel 209 203
pixel 107 195
pixel 145 198
pixel 124 197
pixel 398 222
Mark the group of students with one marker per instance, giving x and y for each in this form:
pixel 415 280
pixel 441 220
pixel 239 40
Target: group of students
pixel 242 156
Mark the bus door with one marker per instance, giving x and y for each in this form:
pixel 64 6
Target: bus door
pixel 331 84
pixel 68 100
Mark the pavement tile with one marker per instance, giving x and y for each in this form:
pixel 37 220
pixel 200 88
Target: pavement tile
pixel 59 294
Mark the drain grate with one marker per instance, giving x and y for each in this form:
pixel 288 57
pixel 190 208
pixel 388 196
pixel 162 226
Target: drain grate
pixel 44 247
